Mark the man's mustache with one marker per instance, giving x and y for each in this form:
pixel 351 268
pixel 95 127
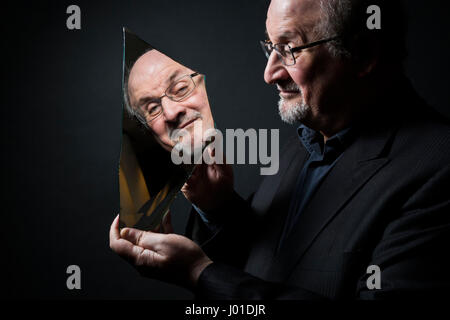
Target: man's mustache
pixel 181 121
pixel 288 86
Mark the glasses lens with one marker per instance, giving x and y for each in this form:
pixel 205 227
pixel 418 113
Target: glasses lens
pixel 285 53
pixel 266 48
pixel 181 88
pixel 149 112
pixel 154 111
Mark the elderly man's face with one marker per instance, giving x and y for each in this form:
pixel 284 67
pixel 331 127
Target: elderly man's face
pixel 311 86
pixel 150 76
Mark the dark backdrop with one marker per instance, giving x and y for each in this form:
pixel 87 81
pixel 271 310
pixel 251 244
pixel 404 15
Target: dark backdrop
pixel 61 120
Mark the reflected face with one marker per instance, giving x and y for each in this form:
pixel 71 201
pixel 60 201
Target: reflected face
pixel 308 88
pixel 149 78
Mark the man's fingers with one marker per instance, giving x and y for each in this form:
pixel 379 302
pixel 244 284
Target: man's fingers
pixel 121 246
pixel 126 249
pixel 144 239
pixel 114 230
pixel 195 178
pixel 133 245
pixel 214 172
pixel 131 234
pixel 136 255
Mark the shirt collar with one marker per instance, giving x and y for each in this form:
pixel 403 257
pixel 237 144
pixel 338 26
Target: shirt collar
pixel 313 140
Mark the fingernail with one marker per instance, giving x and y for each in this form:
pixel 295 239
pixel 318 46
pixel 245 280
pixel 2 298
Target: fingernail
pixel 124 232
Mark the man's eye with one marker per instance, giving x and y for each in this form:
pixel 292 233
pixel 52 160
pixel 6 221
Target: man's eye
pixel 153 108
pixel 180 88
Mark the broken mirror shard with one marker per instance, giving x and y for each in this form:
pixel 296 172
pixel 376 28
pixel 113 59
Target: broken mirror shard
pixel 161 98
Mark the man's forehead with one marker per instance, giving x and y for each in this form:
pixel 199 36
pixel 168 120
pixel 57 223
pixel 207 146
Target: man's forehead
pixel 288 19
pixel 283 33
pixel 292 8
pixel 156 68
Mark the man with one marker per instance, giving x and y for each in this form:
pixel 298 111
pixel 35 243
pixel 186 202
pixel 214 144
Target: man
pixel 363 185
pixel 166 96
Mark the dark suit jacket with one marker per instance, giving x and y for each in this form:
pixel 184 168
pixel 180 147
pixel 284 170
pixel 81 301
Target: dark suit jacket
pixel 385 203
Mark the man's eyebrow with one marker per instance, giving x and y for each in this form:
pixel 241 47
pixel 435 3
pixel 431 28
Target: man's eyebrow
pixel 146 99
pixel 288 35
pixel 173 76
pixel 149 99
pixel 285 36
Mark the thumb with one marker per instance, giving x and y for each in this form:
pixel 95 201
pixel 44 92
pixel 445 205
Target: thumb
pixel 144 239
pixel 132 235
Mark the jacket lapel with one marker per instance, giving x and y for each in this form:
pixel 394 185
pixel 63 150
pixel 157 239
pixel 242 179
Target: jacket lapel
pixel 362 160
pixel 276 188
pixel 271 204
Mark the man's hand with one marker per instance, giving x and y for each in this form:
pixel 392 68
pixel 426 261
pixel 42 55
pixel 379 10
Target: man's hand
pixel 167 257
pixel 209 186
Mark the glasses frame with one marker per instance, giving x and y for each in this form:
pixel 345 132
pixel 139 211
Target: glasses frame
pixel 143 118
pixel 292 50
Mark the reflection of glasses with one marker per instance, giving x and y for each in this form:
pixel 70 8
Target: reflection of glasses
pixel 285 52
pixel 177 91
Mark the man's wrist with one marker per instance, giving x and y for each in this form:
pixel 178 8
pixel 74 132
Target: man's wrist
pixel 197 270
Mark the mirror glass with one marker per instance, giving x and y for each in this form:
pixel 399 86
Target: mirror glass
pixel 166 112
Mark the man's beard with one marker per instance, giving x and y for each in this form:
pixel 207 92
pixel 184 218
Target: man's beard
pixel 188 142
pixel 292 113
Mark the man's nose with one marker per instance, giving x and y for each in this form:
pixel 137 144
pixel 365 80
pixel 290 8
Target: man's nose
pixel 275 69
pixel 172 110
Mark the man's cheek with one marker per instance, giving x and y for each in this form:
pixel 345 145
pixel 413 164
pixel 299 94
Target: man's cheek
pixel 300 76
pixel 161 134
pixel 195 105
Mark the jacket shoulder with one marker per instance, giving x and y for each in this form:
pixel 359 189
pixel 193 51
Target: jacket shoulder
pixel 423 140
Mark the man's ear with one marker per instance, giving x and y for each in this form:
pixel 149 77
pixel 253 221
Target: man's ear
pixel 367 56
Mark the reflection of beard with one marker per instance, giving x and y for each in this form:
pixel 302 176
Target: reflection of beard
pixel 292 113
pixel 172 132
pixel 188 142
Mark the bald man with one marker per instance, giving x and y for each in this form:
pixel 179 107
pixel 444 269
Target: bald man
pixel 167 96
pixel 360 206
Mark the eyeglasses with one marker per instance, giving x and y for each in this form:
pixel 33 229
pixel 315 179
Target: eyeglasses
pixel 286 53
pixel 177 91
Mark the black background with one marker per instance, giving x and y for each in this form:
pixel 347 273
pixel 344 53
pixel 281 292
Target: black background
pixel 61 123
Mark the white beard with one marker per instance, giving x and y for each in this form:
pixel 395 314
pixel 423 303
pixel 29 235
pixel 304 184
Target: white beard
pixel 292 113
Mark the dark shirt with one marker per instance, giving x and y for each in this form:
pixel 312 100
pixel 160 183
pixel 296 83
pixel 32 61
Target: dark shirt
pixel 322 158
